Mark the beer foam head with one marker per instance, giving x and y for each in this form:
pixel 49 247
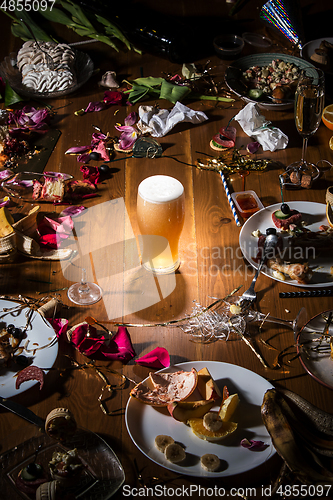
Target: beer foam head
pixel 160 189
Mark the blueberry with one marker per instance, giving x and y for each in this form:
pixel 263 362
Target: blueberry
pixel 104 168
pixel 285 208
pixel 94 155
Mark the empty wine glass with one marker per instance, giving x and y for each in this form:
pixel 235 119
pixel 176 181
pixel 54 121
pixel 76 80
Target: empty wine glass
pixel 84 293
pixel 309 103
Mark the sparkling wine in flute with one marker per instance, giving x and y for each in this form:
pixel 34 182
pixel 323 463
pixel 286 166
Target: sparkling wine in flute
pixel 160 214
pixel 309 104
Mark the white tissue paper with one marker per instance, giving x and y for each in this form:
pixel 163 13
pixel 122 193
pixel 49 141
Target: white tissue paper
pixel 255 125
pixel 158 122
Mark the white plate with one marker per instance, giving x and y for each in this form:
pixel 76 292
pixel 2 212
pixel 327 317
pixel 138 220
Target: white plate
pixel 309 48
pixel 318 364
pixel 144 423
pixel 314 214
pixel 38 335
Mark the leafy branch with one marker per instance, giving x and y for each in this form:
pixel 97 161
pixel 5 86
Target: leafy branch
pixel 70 14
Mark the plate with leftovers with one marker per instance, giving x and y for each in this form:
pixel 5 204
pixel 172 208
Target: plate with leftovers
pixel 254 78
pixel 319 52
pixel 26 338
pixel 145 422
pixel 304 256
pixel 315 349
pixel 99 476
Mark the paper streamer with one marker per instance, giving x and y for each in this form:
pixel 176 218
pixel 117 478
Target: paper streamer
pixel 231 203
pixel 281 14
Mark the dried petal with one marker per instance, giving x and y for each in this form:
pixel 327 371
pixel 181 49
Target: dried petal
pixel 252 147
pixel 253 444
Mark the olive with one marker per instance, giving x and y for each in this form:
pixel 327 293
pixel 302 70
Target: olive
pixel 17 333
pixel 34 469
pixel 94 155
pixel 104 169
pixel 285 208
pixel 10 328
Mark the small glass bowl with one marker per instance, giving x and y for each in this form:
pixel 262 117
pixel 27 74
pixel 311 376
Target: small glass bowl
pixel 228 46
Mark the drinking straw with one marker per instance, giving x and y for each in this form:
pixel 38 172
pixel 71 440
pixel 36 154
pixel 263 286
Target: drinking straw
pixel 231 203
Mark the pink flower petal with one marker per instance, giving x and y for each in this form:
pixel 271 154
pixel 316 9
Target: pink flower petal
pixel 131 118
pixel 90 174
pixel 95 106
pixel 252 444
pixel 72 211
pixel 101 149
pixel 5 174
pixel 76 150
pixel 113 97
pixel 157 358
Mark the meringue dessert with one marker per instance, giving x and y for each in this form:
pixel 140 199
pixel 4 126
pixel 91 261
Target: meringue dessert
pixel 36 74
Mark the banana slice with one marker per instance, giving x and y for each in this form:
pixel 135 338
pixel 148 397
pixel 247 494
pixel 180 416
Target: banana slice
pixel 210 462
pixel 212 421
pixel 174 453
pixel 162 441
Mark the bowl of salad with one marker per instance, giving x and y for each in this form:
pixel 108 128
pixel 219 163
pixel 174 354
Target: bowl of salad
pixel 269 79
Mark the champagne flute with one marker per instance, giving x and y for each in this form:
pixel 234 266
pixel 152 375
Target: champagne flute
pixel 84 293
pixel 309 104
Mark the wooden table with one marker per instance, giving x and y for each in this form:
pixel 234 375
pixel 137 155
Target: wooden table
pixel 211 263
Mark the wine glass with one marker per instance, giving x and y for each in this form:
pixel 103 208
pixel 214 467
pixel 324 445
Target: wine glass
pixel 309 103
pixel 84 293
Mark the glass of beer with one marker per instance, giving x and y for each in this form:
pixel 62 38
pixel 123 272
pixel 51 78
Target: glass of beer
pixel 160 213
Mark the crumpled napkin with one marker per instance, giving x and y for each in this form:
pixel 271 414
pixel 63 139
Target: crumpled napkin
pixel 157 358
pixel 158 122
pixel 255 125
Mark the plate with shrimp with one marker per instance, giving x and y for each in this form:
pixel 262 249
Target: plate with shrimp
pixel 304 254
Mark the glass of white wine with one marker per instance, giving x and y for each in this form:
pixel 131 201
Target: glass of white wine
pixel 309 104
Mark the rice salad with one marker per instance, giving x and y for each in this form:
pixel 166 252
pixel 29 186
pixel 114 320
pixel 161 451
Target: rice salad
pixel 275 74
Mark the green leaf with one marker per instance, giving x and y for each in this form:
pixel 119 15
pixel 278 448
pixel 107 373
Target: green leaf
pixel 137 95
pixel 76 12
pixel 149 81
pixel 11 97
pixel 57 16
pixel 39 33
pixel 173 93
pixel 111 29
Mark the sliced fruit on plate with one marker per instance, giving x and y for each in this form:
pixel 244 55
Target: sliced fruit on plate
pixel 167 387
pixel 162 441
pixel 201 432
pixel 210 462
pixel 174 453
pixel 184 410
pixel 228 407
pixel 207 385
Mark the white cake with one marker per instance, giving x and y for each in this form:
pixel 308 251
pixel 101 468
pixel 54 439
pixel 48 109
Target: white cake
pixel 36 74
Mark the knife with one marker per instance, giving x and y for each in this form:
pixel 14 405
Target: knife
pixel 22 411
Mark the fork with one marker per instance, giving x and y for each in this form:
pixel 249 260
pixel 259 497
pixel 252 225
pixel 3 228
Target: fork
pixel 250 296
pixel 49 60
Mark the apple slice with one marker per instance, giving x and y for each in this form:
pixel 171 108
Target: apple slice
pixel 185 410
pixel 207 386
